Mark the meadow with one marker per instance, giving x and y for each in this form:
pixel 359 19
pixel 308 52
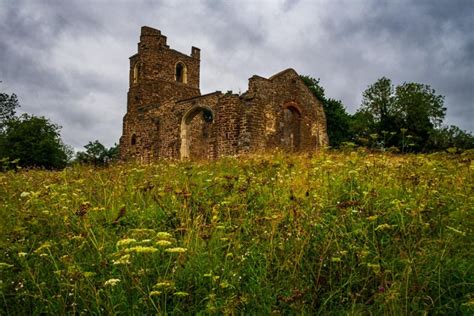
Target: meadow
pixel 348 232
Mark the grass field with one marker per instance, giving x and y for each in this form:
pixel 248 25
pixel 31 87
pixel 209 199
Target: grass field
pixel 330 233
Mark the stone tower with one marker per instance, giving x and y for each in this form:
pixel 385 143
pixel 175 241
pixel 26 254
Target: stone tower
pixel 157 75
pixel 167 117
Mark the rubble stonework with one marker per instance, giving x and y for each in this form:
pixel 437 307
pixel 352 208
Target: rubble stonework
pixel 167 117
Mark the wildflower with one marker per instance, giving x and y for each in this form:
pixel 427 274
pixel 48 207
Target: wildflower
pixel 383 227
pixel 181 294
pixel 24 194
pixel 89 274
pixel 176 250
pixel 155 293
pixel 125 242
pixel 163 235
pixel 142 249
pixel 163 243
pixel 336 259
pixel 125 259
pixel 44 246
pixel 22 254
pixel 372 218
pixel 112 282
pixel 164 284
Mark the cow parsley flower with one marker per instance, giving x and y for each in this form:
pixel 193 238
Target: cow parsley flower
pixel 112 282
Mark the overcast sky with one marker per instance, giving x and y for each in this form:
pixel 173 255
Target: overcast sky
pixel 68 60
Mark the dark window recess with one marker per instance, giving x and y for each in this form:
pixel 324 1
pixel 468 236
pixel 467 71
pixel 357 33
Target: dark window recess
pixel 179 72
pixel 207 116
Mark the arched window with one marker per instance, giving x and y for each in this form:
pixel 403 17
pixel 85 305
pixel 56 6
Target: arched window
pixel 181 73
pixel 133 141
pixel 137 69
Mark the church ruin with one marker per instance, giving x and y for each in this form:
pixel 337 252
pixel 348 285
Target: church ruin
pixel 167 117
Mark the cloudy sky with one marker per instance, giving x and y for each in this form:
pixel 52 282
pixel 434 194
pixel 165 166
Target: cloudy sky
pixel 68 60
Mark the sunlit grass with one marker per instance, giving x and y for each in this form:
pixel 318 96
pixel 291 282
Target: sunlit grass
pixel 332 232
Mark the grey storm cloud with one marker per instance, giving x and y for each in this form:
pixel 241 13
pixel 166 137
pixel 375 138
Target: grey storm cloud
pixel 68 60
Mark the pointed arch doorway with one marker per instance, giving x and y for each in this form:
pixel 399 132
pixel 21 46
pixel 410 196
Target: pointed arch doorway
pixel 196 133
pixel 291 139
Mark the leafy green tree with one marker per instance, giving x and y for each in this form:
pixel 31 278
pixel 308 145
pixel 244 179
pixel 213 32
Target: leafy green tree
pixel 420 110
pixel 405 115
pixel 8 106
pixel 97 154
pixel 314 87
pixel 452 136
pixel 338 122
pixel 35 141
pixel 378 100
pixel 337 119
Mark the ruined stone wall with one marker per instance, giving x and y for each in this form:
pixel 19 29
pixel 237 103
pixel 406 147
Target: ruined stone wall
pixel 188 114
pixel 276 106
pixel 168 118
pixel 228 114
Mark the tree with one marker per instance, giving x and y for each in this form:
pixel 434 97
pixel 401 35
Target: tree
pixel 314 87
pixel 35 141
pixel 337 119
pixel 8 106
pixel 338 122
pixel 378 100
pixel 97 154
pixel 419 110
pixel 410 110
pixel 452 136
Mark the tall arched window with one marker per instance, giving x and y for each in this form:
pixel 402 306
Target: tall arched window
pixel 136 72
pixel 181 73
pixel 133 141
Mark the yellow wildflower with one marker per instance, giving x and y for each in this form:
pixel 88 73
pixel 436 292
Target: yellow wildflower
pixel 176 250
pixel 383 227
pixel 44 246
pixel 112 282
pixel 125 259
pixel 142 249
pixel 163 235
pixel 89 274
pixel 163 243
pixel 164 284
pixel 126 242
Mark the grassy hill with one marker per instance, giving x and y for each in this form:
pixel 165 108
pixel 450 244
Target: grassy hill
pixel 334 232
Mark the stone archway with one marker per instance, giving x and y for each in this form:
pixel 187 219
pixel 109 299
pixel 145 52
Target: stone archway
pixel 196 133
pixel 291 139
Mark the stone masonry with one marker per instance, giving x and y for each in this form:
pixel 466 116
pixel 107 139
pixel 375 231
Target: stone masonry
pixel 167 117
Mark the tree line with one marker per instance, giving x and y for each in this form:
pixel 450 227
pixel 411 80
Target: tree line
pixel 34 141
pixel 406 118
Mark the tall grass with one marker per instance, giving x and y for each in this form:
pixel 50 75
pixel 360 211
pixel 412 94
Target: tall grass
pixel 334 232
